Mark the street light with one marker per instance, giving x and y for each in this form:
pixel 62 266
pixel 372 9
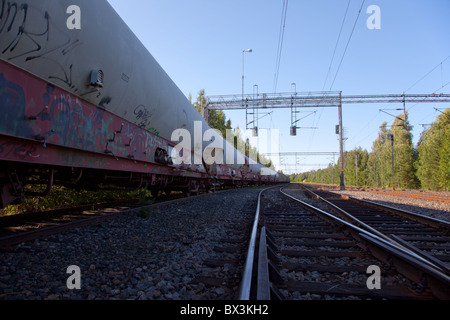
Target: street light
pixel 243 52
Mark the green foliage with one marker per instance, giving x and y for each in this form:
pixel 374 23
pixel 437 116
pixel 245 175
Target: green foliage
pixel 216 118
pixel 61 197
pixel 331 174
pixel 406 155
pixel 433 164
pixel 427 166
pixel 355 166
pixel 380 172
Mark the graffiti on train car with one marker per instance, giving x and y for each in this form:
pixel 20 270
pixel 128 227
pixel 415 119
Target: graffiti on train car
pixel 74 124
pixel 44 112
pixel 143 115
pixel 12 97
pixel 18 149
pixel 45 39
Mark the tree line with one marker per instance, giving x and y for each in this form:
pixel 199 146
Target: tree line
pixel 424 166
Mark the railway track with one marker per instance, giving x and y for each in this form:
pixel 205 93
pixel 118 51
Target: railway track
pixel 190 249
pixel 31 227
pixel 415 194
pixel 424 235
pixel 303 252
pixel 39 225
pixel 223 268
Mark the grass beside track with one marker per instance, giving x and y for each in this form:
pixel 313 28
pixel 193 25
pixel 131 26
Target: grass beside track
pixel 61 197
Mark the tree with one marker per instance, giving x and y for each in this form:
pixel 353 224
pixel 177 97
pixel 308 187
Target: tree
pixel 427 166
pixel 404 153
pixel 433 165
pixel 216 118
pixel 405 156
pixel 379 164
pixel 360 156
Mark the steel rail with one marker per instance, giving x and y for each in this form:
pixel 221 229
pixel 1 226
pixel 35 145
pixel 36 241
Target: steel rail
pixel 433 222
pixel 416 194
pixel 263 276
pixel 436 223
pixel 361 229
pixel 349 217
pixel 246 282
pixel 427 269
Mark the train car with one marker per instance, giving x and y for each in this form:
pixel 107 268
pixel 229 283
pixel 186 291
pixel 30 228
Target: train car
pixel 84 104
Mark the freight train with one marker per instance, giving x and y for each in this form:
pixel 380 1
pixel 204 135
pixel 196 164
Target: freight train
pixel 83 104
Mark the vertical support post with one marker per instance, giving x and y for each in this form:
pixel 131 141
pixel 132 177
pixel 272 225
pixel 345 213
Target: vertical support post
pixel 341 143
pixel 332 174
pixel 404 111
pixel 246 111
pixel 393 171
pixel 206 114
pixel 255 111
pixel 356 163
pixel 391 138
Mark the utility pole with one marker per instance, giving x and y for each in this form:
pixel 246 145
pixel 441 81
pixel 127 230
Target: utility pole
pixel 404 111
pixel 390 138
pixel 332 171
pixel 356 162
pixel 341 144
pixel 205 111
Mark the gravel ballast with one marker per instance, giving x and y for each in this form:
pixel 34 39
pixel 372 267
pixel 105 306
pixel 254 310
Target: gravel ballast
pixel 152 253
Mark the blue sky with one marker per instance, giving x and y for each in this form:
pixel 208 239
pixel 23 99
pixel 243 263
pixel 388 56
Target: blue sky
pixel 199 44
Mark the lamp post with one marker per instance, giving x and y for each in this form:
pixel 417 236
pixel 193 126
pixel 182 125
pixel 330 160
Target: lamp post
pixel 246 117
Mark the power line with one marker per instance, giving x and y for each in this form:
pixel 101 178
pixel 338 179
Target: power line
pixel 280 43
pixel 443 86
pixel 340 63
pixel 426 75
pixel 329 69
pixel 335 47
pixel 348 42
pixel 439 64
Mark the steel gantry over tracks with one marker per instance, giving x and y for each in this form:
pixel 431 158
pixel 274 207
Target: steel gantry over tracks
pixel 252 103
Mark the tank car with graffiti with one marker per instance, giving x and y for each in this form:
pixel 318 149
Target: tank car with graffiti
pixel 89 106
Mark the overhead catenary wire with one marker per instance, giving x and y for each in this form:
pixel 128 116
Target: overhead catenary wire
pixel 329 68
pixel 426 75
pixel 440 64
pixel 335 47
pixel 346 47
pixel 280 43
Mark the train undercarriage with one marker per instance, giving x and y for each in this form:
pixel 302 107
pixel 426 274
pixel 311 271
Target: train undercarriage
pixel 21 180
